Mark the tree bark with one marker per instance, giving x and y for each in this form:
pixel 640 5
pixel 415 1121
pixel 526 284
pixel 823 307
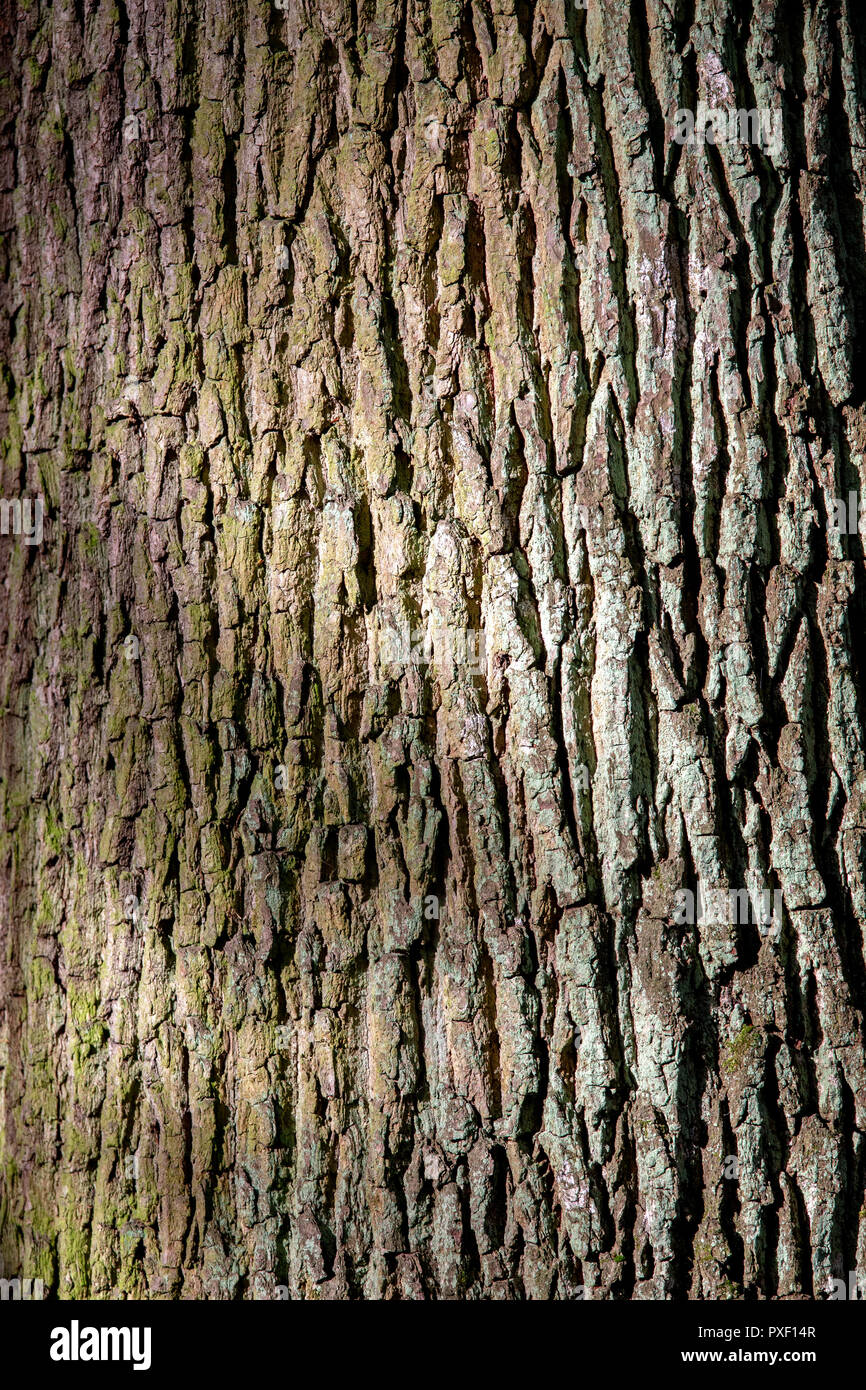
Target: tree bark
pixel 439 582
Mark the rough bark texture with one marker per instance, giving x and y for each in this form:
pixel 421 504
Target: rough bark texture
pixel 326 321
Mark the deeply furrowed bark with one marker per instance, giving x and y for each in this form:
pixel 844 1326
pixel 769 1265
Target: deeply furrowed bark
pixel 353 969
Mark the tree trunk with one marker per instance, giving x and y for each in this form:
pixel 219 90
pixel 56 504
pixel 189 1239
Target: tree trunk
pixel 441 577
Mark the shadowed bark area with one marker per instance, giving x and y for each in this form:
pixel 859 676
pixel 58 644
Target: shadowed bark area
pixel 440 579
